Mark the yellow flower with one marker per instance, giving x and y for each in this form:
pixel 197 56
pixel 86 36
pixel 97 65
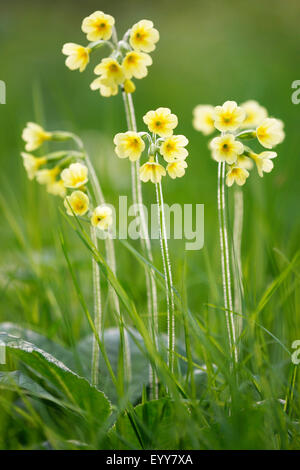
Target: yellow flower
pixel 32 164
pixel 34 136
pixel 161 122
pixel 57 188
pixel 111 71
pixel 176 169
pixel 143 36
pixel 129 145
pixel 78 56
pixel 173 148
pixel 129 86
pixel 47 176
pixel 102 217
pixel 229 116
pixel 226 149
pixel 75 176
pixel 264 162
pixel 203 119
pixel 255 114
pixel 77 203
pixel 135 64
pixel 244 162
pixel 105 87
pixel 236 174
pixel 98 26
pixel 152 171
pixel 270 132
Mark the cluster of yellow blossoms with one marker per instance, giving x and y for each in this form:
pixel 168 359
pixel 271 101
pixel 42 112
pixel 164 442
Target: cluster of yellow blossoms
pixel 62 174
pixel 129 57
pixel 161 124
pixel 237 124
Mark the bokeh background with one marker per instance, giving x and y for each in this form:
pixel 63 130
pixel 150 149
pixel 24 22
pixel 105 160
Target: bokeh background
pixel 209 51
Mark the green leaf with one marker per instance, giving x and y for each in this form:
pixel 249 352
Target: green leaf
pixel 16 381
pixel 157 424
pixel 71 387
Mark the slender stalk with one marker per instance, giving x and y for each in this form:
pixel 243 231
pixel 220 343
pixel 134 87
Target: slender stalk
pixel 168 276
pixel 225 262
pixel 236 254
pixel 97 313
pixel 145 242
pixel 111 258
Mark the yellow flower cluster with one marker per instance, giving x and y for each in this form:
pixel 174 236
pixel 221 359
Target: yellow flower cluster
pixel 129 57
pixel 238 124
pixel 161 124
pixel 63 176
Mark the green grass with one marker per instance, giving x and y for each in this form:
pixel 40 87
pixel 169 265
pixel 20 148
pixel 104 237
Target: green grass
pixel 208 52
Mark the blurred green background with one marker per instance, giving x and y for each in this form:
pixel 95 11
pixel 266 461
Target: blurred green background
pixel 209 51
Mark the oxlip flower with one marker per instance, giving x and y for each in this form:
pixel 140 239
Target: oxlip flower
pixel 143 36
pixel 129 86
pixel 32 164
pixel 77 203
pixel 47 176
pixel 161 121
pixel 270 132
pixel 229 116
pixel 176 169
pixel 173 148
pixel 111 70
pixel 129 145
pixel 244 162
pixel 255 114
pixel 75 176
pixel 34 136
pixel 152 171
pixel 57 188
pixel 263 161
pixel 98 26
pixel 78 56
pixel 226 149
pixel 236 175
pixel 105 87
pixel 102 217
pixel 135 64
pixel 203 120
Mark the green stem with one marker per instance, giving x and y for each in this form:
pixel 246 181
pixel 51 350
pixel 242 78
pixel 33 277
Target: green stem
pixel 168 277
pixel 225 261
pixel 236 255
pixel 145 242
pixel 97 313
pixel 111 259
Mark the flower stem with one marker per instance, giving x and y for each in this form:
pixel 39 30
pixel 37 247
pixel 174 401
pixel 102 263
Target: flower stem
pixel 236 255
pixel 111 258
pixel 145 242
pixel 168 276
pixel 97 313
pixel 225 261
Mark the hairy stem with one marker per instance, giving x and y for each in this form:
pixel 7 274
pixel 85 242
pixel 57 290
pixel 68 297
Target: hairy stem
pixel 168 276
pixel 111 259
pixel 225 261
pixel 97 313
pixel 145 241
pixel 236 254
